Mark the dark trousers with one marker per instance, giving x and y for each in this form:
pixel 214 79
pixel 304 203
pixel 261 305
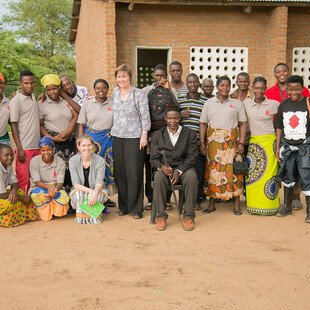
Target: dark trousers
pixel 148 191
pixel 128 172
pixel 295 170
pixel 189 181
pixel 200 169
pixel 148 178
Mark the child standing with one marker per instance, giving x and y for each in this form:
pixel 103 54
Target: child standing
pixel 293 144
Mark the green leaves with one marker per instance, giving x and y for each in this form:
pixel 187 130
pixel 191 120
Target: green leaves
pixel 38 41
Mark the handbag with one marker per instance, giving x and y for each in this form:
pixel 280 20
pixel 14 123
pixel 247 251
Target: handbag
pixel 240 167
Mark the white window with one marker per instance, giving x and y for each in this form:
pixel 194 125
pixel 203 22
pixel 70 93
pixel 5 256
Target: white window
pixel 301 63
pixel 215 61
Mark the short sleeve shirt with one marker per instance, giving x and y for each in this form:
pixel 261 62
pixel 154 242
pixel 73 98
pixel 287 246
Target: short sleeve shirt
pixel 224 115
pixel 40 171
pixel 261 115
pixel 7 177
pixel 195 106
pixel 56 115
pixel 275 93
pixel 293 119
pixel 95 115
pixel 25 111
pixel 4 115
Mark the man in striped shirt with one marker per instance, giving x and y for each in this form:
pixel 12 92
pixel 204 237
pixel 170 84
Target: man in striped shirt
pixel 191 106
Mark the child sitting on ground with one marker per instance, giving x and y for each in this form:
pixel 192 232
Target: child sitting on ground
pixel 15 207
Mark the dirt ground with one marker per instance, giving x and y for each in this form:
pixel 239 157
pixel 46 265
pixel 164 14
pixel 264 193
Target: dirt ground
pixel 227 262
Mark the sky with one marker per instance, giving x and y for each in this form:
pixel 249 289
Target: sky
pixel 3 10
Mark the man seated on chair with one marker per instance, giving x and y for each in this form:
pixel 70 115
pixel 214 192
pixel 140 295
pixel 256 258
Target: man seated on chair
pixel 179 145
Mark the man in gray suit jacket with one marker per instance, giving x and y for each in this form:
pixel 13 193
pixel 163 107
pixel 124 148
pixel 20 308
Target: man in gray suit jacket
pixel 181 150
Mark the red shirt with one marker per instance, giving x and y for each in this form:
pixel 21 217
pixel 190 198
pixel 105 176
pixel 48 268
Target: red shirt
pixel 276 93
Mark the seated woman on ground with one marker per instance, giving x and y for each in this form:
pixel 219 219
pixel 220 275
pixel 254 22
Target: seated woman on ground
pixel 47 172
pixel 87 173
pixel 15 207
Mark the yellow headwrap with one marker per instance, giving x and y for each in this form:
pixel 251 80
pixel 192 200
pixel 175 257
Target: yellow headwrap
pixel 50 79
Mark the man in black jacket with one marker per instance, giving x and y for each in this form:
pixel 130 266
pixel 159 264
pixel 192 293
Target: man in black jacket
pixel 180 147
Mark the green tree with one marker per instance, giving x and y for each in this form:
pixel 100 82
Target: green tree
pixel 38 39
pixel 16 56
pixel 44 23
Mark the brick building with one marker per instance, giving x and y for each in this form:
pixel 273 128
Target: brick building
pixel 210 38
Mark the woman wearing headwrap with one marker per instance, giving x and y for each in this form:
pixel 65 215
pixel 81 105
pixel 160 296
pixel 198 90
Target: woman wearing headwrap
pixel 4 114
pixel 47 173
pixel 15 207
pixel 96 120
pixel 58 120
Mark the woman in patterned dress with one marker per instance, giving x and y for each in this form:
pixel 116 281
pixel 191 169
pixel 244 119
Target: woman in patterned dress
pixel 222 136
pixel 262 191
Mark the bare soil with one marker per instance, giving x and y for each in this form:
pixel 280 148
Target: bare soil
pixel 227 262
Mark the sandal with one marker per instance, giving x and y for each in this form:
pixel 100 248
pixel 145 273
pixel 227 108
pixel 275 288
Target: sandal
pixel 208 211
pixel 169 206
pixel 198 207
pixel 237 211
pixel 148 206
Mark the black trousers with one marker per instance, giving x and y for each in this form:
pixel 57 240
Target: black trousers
pixel 295 170
pixel 200 169
pixel 128 173
pixel 148 178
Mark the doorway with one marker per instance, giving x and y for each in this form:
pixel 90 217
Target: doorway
pixel 147 58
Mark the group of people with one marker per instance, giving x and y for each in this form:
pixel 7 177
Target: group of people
pixel 75 149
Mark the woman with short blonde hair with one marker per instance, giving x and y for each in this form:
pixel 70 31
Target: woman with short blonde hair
pixel 131 124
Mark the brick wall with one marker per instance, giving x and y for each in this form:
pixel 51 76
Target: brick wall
pixel 276 41
pixel 298 34
pixel 95 43
pixel 181 27
pixel 270 33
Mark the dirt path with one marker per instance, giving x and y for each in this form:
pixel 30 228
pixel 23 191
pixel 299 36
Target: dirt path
pixel 227 262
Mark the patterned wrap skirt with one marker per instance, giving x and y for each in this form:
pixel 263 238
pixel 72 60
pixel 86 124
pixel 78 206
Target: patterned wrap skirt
pixel 47 206
pixel 221 182
pixel 77 199
pixel 12 215
pixel 262 190
pixel 103 147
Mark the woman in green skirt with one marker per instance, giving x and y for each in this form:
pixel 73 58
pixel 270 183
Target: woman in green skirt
pixel 262 191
